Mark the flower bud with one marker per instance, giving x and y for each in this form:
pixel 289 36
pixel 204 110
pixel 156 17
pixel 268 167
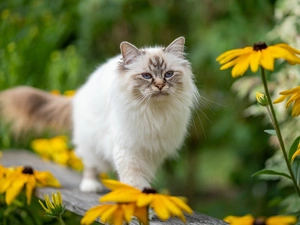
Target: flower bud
pixel 261 99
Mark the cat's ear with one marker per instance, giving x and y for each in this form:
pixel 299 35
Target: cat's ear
pixel 176 47
pixel 129 52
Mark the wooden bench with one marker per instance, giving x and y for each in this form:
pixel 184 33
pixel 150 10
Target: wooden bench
pixel 76 201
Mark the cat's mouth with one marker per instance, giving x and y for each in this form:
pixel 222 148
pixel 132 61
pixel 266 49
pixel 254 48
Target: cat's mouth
pixel 159 94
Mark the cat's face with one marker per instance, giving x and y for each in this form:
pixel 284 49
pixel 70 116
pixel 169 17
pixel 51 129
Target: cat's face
pixel 156 73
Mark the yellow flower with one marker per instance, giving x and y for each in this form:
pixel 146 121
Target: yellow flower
pixel 165 206
pixel 55 92
pixel 294 97
pixel 55 207
pixel 250 220
pixel 57 150
pixel 116 214
pixel 258 55
pixel 74 161
pixel 243 220
pixel 69 93
pixel 17 178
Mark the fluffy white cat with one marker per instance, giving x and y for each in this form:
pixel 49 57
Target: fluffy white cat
pixel 131 114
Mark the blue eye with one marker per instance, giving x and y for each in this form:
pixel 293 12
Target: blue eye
pixel 147 75
pixel 169 74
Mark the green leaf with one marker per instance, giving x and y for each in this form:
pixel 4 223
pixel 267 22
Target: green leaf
pixel 294 148
pixel 272 132
pixel 271 172
pixel 296 169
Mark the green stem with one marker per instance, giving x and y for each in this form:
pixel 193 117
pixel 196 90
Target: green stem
pixel 61 221
pixel 278 132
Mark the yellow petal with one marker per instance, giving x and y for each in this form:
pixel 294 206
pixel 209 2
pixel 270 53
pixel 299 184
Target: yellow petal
pixel 296 154
pixel 291 100
pixel 49 204
pixel 46 178
pixel 121 196
pixel 171 206
pixel 44 207
pixel 254 59
pixel 128 210
pixel 161 211
pixel 291 91
pixel 30 185
pixel 114 184
pixel 278 52
pixel 296 108
pixel 144 199
pixel 267 60
pixel 181 204
pixel 234 55
pixel 107 214
pixel 227 53
pixel 235 52
pixel 91 215
pixel 243 220
pixel 288 48
pixel 142 214
pixel 241 66
pixel 229 64
pixel 118 216
pixel 14 190
pixel 280 99
pixel 282 220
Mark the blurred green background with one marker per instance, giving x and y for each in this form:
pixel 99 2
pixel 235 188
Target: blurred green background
pixel 56 45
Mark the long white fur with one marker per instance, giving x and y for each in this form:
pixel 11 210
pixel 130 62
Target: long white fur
pixel 113 129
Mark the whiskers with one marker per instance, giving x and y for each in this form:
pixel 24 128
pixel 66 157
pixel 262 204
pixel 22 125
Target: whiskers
pixel 141 98
pixel 200 103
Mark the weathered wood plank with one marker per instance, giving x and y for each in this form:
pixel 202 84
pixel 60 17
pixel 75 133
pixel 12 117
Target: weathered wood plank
pixel 75 200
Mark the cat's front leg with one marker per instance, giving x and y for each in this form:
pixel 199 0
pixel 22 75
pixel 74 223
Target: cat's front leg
pixel 90 182
pixel 133 168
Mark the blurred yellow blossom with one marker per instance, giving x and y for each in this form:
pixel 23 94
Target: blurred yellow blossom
pixel 15 179
pixel 258 55
pixel 68 93
pixel 57 149
pixel 250 220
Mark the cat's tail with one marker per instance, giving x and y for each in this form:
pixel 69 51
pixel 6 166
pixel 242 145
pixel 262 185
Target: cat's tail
pixel 28 109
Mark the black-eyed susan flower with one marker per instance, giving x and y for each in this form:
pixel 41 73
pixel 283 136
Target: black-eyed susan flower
pixel 294 97
pixel 165 206
pixel 258 55
pixel 116 214
pixel 250 220
pixel 18 178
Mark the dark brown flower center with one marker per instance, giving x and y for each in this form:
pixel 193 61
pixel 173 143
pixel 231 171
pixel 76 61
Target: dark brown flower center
pixel 259 46
pixel 149 191
pixel 27 170
pixel 259 221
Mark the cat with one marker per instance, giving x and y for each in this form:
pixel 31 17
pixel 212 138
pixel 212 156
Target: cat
pixel 131 114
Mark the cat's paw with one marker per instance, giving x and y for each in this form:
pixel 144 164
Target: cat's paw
pixel 90 185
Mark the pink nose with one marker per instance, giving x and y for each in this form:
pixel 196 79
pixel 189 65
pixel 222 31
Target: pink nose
pixel 159 86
